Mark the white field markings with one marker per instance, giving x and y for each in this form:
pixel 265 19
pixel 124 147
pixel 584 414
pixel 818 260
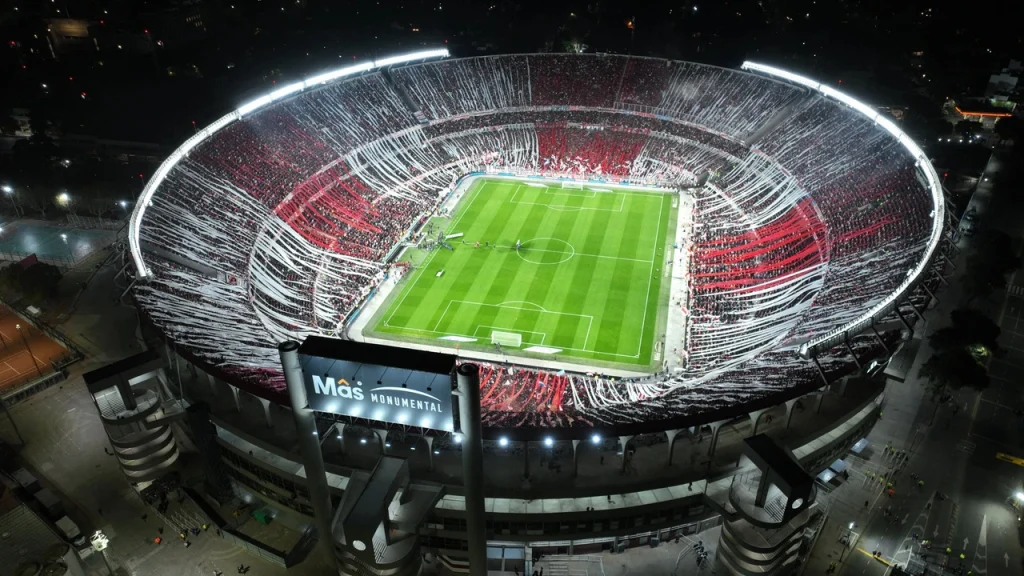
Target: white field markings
pixel 621 195
pixel 430 258
pixel 650 277
pixel 571 192
pixel 575 253
pixel 517 305
pixel 543 335
pixel 5 367
pixel 454 226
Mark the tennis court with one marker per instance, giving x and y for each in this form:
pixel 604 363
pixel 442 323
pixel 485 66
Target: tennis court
pixel 26 353
pixel 59 245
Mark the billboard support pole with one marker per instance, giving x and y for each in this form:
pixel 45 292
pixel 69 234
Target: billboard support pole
pixel 468 380
pixel 309 445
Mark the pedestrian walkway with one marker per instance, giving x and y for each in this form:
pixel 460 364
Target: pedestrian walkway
pixel 866 494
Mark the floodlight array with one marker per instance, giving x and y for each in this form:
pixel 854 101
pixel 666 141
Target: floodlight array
pixel 143 203
pixel 938 202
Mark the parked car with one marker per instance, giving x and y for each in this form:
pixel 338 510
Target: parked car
pixel 71 531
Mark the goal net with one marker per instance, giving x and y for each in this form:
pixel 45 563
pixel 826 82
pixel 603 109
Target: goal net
pixel 573 185
pixel 513 339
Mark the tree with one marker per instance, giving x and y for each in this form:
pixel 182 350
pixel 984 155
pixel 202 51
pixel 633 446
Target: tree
pixel 8 125
pixel 978 285
pixel 968 127
pixel 952 371
pixel 96 199
pixel 988 265
pixel 40 201
pixel 971 330
pixel 1009 128
pixel 35 283
pixel 960 352
pixel 39 122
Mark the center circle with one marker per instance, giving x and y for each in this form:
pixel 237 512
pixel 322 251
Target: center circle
pixel 546 251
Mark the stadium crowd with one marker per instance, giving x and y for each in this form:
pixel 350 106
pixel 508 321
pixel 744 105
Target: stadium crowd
pixel 290 214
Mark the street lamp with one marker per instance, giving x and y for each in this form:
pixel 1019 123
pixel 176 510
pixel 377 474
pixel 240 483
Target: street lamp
pixel 1019 496
pixel 30 354
pixel 99 543
pixel 9 192
pixel 848 543
pixel 64 237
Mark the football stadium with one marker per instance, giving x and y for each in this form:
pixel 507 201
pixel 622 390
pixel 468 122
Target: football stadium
pixel 619 240
pixel 651 262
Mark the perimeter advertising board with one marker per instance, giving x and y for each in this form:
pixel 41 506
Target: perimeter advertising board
pixel 413 397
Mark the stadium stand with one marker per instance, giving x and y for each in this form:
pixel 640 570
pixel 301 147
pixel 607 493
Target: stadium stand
pixel 283 222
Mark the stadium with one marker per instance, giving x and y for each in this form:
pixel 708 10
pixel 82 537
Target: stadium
pixel 634 250
pixel 773 230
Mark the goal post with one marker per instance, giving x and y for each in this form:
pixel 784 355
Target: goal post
pixel 512 339
pixel 572 185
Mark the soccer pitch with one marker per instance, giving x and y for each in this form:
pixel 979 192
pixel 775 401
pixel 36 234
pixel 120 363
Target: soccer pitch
pixel 585 285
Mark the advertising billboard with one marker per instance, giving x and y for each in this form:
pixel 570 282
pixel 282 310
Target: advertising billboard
pixel 403 391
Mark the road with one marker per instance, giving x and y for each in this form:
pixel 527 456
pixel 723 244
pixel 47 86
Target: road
pixel 953 448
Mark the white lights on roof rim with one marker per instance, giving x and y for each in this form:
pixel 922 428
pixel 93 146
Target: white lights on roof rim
pixel 135 223
pixel 939 208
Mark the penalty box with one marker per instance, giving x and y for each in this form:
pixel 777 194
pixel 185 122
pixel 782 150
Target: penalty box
pixel 464 318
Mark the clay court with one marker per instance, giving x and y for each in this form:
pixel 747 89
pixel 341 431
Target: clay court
pixel 25 354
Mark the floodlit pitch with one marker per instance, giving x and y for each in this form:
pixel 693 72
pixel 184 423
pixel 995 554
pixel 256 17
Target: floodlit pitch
pixel 585 283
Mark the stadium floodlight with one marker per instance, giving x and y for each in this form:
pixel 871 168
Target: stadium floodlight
pixel 135 222
pixel 857 105
pixel 784 74
pixel 339 73
pixel 7 189
pixel 923 163
pixel 1019 496
pixel 423 54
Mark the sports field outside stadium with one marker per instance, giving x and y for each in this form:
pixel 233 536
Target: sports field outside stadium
pixel 588 282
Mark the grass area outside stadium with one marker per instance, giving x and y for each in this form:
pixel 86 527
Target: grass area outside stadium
pixel 587 284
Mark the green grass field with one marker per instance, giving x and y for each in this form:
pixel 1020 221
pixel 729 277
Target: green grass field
pixel 586 281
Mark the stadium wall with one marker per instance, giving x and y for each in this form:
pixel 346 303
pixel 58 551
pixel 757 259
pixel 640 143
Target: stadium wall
pixel 263 467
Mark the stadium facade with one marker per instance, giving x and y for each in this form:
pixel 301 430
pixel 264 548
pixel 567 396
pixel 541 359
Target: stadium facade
pixel 817 239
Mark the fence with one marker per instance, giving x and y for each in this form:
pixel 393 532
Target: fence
pixel 46 373
pixel 31 384
pixel 90 223
pixel 45 328
pixel 63 262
